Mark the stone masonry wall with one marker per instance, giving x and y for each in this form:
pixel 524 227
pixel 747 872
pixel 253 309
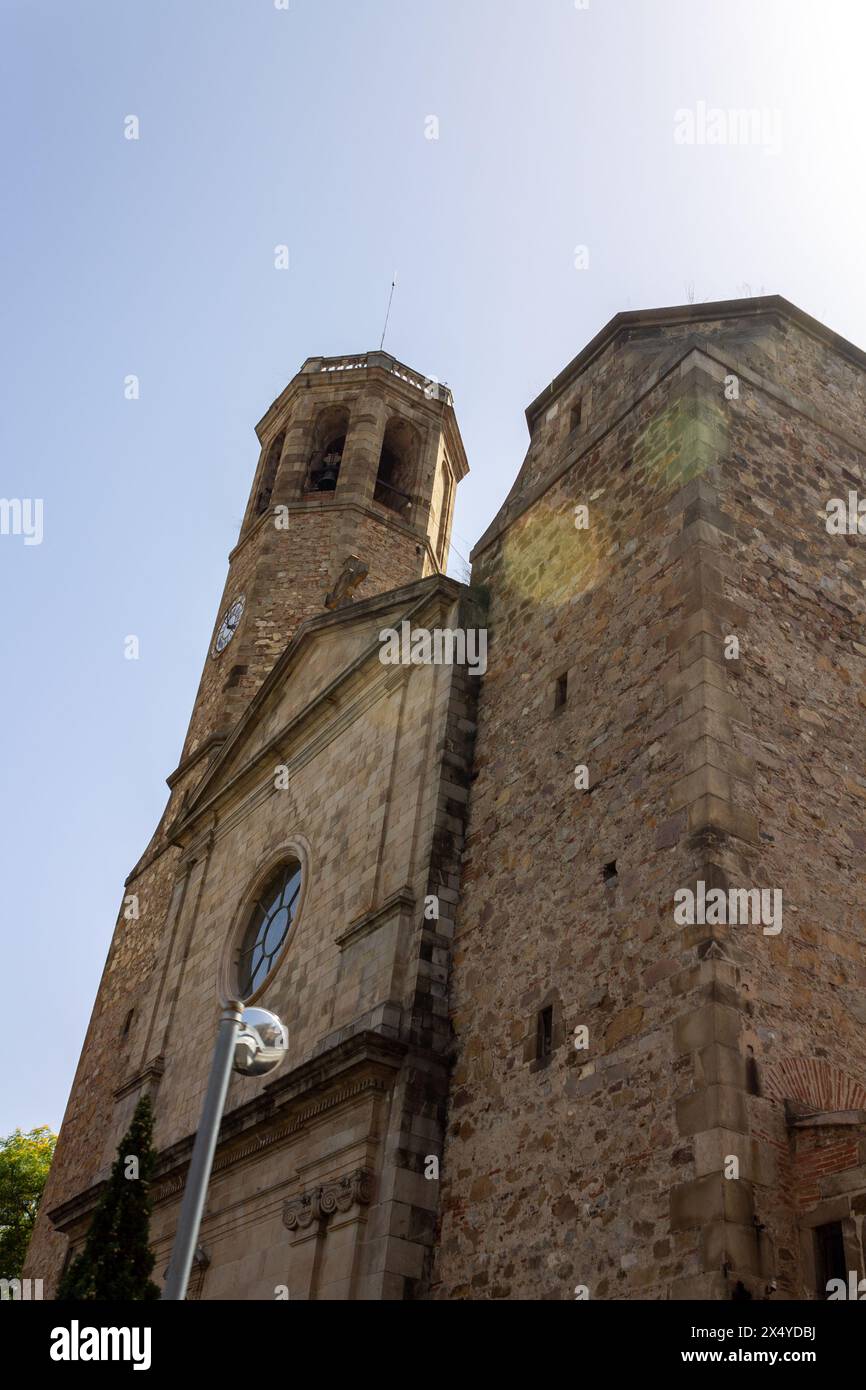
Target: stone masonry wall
pixel 802 674
pixel 558 1171
pixel 606 1168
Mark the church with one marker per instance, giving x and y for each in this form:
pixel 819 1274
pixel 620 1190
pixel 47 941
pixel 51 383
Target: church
pixel 514 1071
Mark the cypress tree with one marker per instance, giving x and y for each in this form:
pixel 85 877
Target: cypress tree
pixel 116 1261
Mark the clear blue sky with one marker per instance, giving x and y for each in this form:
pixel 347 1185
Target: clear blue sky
pixel 306 127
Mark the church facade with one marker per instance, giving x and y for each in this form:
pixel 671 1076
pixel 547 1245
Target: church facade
pixel 555 878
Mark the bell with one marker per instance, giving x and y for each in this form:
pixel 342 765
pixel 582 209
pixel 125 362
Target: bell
pixel 330 471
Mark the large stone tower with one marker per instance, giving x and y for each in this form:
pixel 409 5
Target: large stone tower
pixel 306 759
pixel 643 1105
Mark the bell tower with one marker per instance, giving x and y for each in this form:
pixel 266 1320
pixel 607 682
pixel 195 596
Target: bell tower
pixel 353 495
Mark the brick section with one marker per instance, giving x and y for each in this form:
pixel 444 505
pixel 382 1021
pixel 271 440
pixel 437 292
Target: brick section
pixel 818 1156
pixel 814 1082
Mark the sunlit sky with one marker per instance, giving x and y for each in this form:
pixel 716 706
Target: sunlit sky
pixel 307 127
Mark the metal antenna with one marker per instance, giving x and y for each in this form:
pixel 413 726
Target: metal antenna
pixel 388 314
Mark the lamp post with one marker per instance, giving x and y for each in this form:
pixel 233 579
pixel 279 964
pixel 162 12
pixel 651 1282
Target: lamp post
pixel 251 1042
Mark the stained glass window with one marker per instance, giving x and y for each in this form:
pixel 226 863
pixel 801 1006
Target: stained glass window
pixel 270 923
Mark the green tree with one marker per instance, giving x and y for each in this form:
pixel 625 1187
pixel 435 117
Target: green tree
pixel 24 1163
pixel 116 1261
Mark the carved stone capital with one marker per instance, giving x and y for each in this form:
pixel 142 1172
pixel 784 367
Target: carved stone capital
pixel 300 1213
pixel 356 1189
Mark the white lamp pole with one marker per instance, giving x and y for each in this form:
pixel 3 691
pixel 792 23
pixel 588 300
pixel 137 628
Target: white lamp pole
pixel 252 1042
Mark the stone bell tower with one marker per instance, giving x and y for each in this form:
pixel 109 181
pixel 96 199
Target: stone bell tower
pixel 353 495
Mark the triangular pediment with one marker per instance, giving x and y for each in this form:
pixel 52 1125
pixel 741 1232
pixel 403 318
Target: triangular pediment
pixel 328 658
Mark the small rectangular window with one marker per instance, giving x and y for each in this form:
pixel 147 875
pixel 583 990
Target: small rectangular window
pixel 561 695
pixel 545 1032
pixel 234 676
pixel 609 871
pixel 575 417
pixel 829 1256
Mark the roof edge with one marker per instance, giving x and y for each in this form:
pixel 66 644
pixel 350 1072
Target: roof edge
pixel 755 307
pixel 345 365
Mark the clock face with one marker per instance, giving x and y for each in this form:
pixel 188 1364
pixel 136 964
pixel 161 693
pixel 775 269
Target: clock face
pixel 228 626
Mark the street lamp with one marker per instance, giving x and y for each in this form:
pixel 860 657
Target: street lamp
pixel 251 1042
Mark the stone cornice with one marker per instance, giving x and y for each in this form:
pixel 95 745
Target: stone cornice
pixel 827 1119
pixel 363 1065
pixel 384 516
pixel 211 743
pixel 362 371
pixel 401 901
pixel 151 1071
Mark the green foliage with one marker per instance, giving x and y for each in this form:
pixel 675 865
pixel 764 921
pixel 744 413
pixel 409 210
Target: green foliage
pixel 116 1261
pixel 24 1163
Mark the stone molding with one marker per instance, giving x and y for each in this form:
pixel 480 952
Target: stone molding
pixel 315 725
pixel 364 1064
pixel 401 901
pixel 208 745
pixel 150 1072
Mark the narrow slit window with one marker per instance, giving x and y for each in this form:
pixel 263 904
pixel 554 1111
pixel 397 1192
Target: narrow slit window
pixel 609 871
pixel 575 417
pixel 269 474
pixel 545 1032
pixel 829 1256
pixel 561 695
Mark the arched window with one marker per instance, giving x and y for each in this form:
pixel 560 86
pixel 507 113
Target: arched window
pixel 324 474
pixel 269 927
pixel 396 464
pixel 440 509
pixel 330 442
pixel 269 474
